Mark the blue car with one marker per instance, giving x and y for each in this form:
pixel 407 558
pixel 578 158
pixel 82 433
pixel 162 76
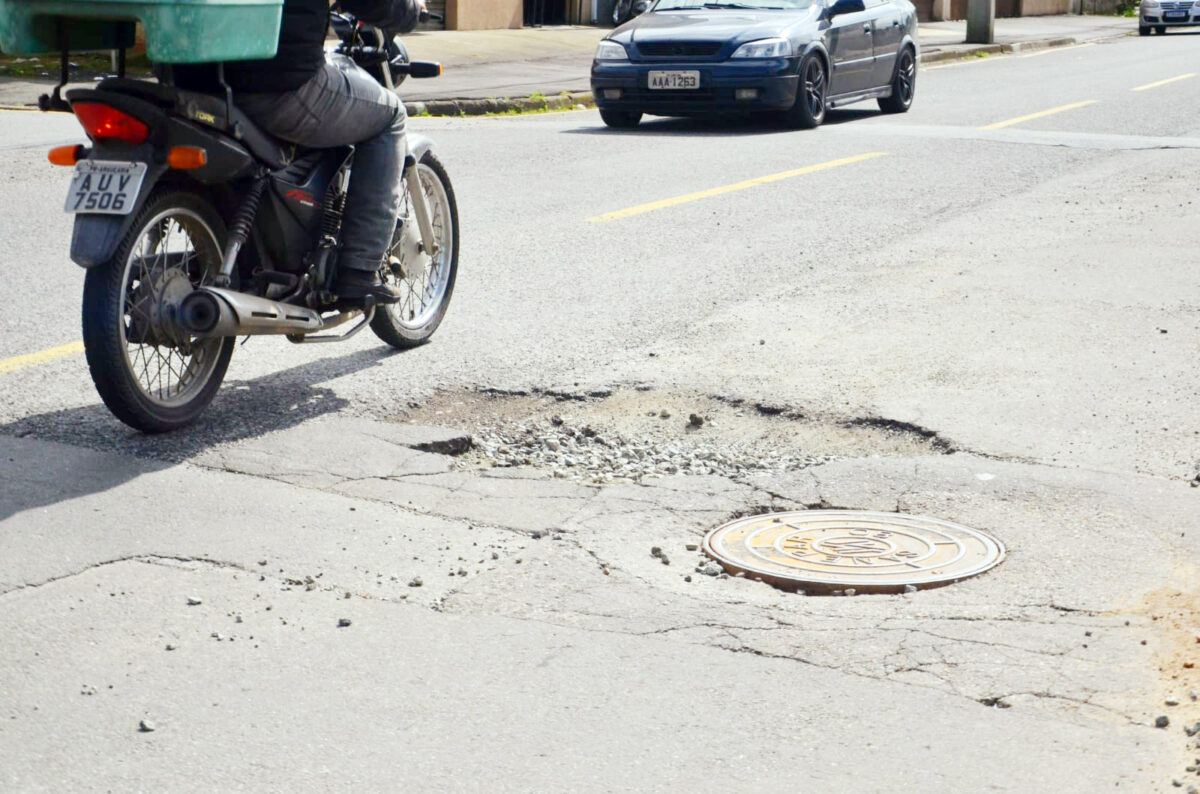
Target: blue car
pixel 798 57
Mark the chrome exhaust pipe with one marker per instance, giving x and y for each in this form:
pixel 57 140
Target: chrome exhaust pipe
pixel 212 311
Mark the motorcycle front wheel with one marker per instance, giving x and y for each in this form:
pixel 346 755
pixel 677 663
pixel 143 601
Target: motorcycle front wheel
pixel 150 373
pixel 426 282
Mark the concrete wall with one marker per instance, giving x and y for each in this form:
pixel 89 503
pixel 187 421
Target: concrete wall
pixel 1098 6
pixel 1041 8
pixel 484 14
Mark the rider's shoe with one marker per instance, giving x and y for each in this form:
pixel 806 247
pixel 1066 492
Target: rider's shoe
pixel 353 287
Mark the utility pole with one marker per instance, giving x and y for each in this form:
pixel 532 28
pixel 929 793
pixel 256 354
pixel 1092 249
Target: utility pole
pixel 981 21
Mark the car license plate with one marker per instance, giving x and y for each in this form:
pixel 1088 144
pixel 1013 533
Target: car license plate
pixel 675 81
pixel 105 186
pixel 1173 15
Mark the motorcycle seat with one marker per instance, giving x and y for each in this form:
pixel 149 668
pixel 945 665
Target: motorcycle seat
pixel 210 110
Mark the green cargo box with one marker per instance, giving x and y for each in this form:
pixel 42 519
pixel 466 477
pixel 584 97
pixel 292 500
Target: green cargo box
pixel 177 31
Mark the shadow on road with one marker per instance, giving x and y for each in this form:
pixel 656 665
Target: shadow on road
pixel 718 126
pixel 241 410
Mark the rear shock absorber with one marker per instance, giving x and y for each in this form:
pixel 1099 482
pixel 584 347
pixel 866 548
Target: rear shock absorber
pixel 335 204
pixel 239 230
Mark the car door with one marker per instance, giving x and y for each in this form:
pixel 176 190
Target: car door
pixel 850 47
pixel 888 25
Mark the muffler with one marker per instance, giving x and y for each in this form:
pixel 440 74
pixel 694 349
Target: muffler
pixel 212 311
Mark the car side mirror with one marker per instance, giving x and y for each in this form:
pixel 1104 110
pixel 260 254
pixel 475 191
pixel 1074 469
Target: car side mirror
pixel 846 7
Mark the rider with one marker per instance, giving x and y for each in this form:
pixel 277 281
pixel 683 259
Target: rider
pixel 300 97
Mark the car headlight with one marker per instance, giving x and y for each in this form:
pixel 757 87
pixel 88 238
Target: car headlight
pixel 764 48
pixel 611 51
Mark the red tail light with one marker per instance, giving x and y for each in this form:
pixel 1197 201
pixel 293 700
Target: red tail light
pixel 101 121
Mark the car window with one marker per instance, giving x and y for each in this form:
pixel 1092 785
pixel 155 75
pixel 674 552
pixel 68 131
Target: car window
pixel 779 5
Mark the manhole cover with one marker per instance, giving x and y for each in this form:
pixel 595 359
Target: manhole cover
pixel 870 552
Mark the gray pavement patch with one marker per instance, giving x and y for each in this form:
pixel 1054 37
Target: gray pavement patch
pixel 435 668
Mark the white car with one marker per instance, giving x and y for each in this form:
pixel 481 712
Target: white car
pixel 1162 14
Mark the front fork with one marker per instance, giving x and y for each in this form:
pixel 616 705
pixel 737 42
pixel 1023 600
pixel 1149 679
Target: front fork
pixel 420 206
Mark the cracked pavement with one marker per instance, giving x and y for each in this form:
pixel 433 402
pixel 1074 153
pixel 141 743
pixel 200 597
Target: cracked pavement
pixel 319 587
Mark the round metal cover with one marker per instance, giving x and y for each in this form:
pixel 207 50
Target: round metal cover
pixel 839 549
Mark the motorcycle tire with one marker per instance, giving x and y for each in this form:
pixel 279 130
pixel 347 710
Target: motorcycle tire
pixel 426 285
pixel 151 374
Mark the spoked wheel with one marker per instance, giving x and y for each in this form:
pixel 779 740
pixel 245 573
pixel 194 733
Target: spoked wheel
pixel 427 282
pixel 151 373
pixel 904 84
pixel 809 110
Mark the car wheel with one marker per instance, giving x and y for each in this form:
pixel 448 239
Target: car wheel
pixel 621 119
pixel 904 84
pixel 809 110
pixel 1143 30
pixel 1162 30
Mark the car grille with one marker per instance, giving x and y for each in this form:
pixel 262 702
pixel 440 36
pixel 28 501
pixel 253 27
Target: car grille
pixel 679 49
pixel 1181 6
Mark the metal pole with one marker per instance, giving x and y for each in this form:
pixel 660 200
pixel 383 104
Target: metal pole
pixel 981 21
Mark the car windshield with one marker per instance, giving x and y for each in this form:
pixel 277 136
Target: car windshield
pixel 753 5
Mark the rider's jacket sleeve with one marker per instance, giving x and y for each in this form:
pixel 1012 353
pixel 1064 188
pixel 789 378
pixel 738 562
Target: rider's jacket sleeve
pixel 395 16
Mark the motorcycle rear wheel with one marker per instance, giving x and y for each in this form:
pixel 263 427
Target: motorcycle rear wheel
pixel 426 285
pixel 153 376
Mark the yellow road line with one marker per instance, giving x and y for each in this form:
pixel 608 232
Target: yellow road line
pixel 716 191
pixel 1148 86
pixel 1001 124
pixel 15 363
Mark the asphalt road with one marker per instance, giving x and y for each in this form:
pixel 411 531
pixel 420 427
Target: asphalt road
pixel 984 310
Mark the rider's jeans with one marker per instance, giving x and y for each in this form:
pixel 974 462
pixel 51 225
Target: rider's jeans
pixel 340 105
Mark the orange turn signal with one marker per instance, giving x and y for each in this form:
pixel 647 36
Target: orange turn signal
pixel 66 155
pixel 185 158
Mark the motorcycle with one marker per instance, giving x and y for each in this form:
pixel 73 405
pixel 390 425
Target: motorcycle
pixel 197 227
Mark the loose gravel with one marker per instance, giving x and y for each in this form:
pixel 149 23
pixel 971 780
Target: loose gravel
pixel 584 453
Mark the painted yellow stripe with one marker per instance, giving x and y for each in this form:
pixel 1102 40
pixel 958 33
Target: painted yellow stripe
pixel 15 363
pixel 1148 86
pixel 717 191
pixel 1001 124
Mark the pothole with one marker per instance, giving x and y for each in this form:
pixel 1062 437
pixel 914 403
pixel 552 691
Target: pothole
pixel 631 434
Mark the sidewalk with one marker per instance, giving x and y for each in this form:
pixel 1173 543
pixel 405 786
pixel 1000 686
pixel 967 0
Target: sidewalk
pixel 497 70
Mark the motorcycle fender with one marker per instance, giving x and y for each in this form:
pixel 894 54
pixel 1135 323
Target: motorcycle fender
pixel 96 236
pixel 417 146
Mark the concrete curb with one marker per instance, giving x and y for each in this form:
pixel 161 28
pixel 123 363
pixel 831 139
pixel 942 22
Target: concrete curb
pixel 1004 49
pixel 481 107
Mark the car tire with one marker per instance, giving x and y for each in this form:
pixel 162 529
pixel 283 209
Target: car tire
pixel 621 119
pixel 1143 30
pixel 811 92
pixel 1162 30
pixel 904 84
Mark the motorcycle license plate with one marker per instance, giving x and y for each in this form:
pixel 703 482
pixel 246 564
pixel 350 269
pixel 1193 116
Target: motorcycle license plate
pixel 105 186
pixel 675 80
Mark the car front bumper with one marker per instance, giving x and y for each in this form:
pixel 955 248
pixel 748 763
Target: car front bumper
pixel 1155 17
pixel 773 82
